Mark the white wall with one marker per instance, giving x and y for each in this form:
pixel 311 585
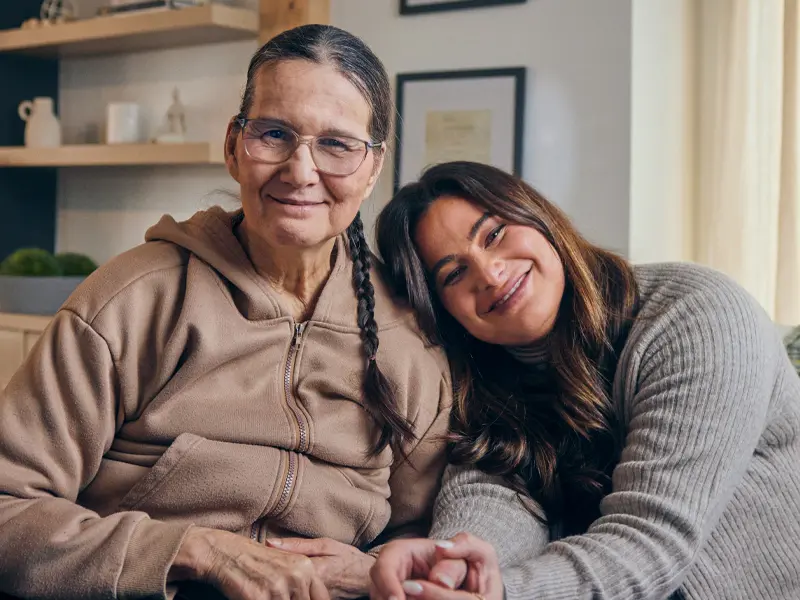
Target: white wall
pixel 577 137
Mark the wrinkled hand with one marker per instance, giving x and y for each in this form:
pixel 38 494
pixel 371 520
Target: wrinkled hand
pixel 244 570
pixel 412 570
pixel 343 569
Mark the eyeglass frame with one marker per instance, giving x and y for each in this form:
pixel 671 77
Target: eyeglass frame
pixel 308 140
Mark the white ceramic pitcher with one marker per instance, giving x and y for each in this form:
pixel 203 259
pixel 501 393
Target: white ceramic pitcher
pixel 42 128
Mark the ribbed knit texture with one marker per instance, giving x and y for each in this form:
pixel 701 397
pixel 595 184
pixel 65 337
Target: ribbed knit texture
pixel 706 496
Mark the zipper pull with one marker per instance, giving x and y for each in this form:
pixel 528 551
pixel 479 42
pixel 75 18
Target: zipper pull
pixel 298 331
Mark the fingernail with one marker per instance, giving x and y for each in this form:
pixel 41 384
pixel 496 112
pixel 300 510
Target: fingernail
pixel 412 588
pixel 446 544
pixel 275 542
pixel 393 598
pixel 447 581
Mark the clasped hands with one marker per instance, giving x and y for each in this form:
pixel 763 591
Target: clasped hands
pixel 409 569
pixel 321 569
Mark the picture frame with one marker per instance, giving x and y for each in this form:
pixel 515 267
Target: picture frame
pixel 415 7
pixel 469 114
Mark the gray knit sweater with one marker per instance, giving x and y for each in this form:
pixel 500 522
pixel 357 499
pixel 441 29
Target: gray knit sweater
pixel 706 496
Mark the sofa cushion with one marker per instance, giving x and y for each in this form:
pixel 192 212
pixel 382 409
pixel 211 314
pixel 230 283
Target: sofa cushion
pixel 792 341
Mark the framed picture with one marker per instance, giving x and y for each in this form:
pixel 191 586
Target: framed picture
pixel 475 115
pixel 415 7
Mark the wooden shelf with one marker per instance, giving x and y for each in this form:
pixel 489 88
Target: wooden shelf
pixel 207 24
pixel 16 322
pixel 97 155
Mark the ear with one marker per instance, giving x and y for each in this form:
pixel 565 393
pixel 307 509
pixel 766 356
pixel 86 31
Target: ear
pixel 231 160
pixel 377 167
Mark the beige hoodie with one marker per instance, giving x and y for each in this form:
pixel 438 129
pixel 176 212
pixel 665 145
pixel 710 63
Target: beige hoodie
pixel 173 389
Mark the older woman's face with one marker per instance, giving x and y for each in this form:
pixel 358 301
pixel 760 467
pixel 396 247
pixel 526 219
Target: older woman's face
pixel 293 203
pixel 502 282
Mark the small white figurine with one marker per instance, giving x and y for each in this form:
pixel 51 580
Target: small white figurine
pixel 57 11
pixel 174 129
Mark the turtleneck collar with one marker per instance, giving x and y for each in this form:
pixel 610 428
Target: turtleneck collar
pixel 537 354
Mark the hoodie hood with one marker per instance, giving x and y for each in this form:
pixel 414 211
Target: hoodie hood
pixel 208 236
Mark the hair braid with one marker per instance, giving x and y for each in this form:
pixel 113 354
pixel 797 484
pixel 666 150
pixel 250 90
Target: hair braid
pixel 378 392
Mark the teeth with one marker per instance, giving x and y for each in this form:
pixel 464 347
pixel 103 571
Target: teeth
pixel 511 291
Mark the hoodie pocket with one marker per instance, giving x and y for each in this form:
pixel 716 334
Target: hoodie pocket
pixel 348 505
pixel 160 472
pixel 215 484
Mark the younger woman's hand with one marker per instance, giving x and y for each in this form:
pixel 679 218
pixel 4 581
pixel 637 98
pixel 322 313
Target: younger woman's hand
pixel 407 570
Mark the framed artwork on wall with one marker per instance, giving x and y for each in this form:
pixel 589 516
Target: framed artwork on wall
pixel 415 7
pixel 475 115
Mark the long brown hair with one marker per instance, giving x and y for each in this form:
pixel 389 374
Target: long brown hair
pixel 326 44
pixel 551 433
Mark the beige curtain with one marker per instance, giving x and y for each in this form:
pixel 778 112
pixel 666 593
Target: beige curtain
pixel 744 206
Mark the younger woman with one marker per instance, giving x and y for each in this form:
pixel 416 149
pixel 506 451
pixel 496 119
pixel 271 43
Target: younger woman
pixel 648 415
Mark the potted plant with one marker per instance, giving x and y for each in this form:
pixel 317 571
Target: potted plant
pixel 34 281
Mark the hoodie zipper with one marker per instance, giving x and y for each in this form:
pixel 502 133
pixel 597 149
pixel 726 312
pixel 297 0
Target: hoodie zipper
pixel 287 386
pixel 291 469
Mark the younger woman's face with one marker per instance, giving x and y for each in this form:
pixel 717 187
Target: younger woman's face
pixel 502 282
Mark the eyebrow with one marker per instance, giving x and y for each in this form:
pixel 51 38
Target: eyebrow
pixel 332 131
pixel 274 121
pixel 470 238
pixel 340 133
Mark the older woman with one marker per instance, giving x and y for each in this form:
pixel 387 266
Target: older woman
pixel 627 433
pixel 223 384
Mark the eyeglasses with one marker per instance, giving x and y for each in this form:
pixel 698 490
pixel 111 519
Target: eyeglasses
pixel 272 142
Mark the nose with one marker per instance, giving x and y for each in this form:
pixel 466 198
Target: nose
pixel 491 272
pixel 299 170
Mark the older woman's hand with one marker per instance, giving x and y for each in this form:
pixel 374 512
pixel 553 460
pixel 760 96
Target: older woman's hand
pixel 412 569
pixel 343 568
pixel 245 570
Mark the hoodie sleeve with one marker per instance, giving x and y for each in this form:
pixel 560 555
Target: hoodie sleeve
pixel 415 481
pixel 58 417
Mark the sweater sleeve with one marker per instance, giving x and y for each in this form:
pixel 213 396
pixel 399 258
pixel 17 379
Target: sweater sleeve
pixel 57 418
pixel 474 502
pixel 703 377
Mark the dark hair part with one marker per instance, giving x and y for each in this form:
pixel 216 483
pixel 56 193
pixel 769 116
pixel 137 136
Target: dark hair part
pixel 553 435
pixel 328 45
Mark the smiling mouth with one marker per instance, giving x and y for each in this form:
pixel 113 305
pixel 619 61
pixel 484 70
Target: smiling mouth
pixel 290 202
pixel 510 292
